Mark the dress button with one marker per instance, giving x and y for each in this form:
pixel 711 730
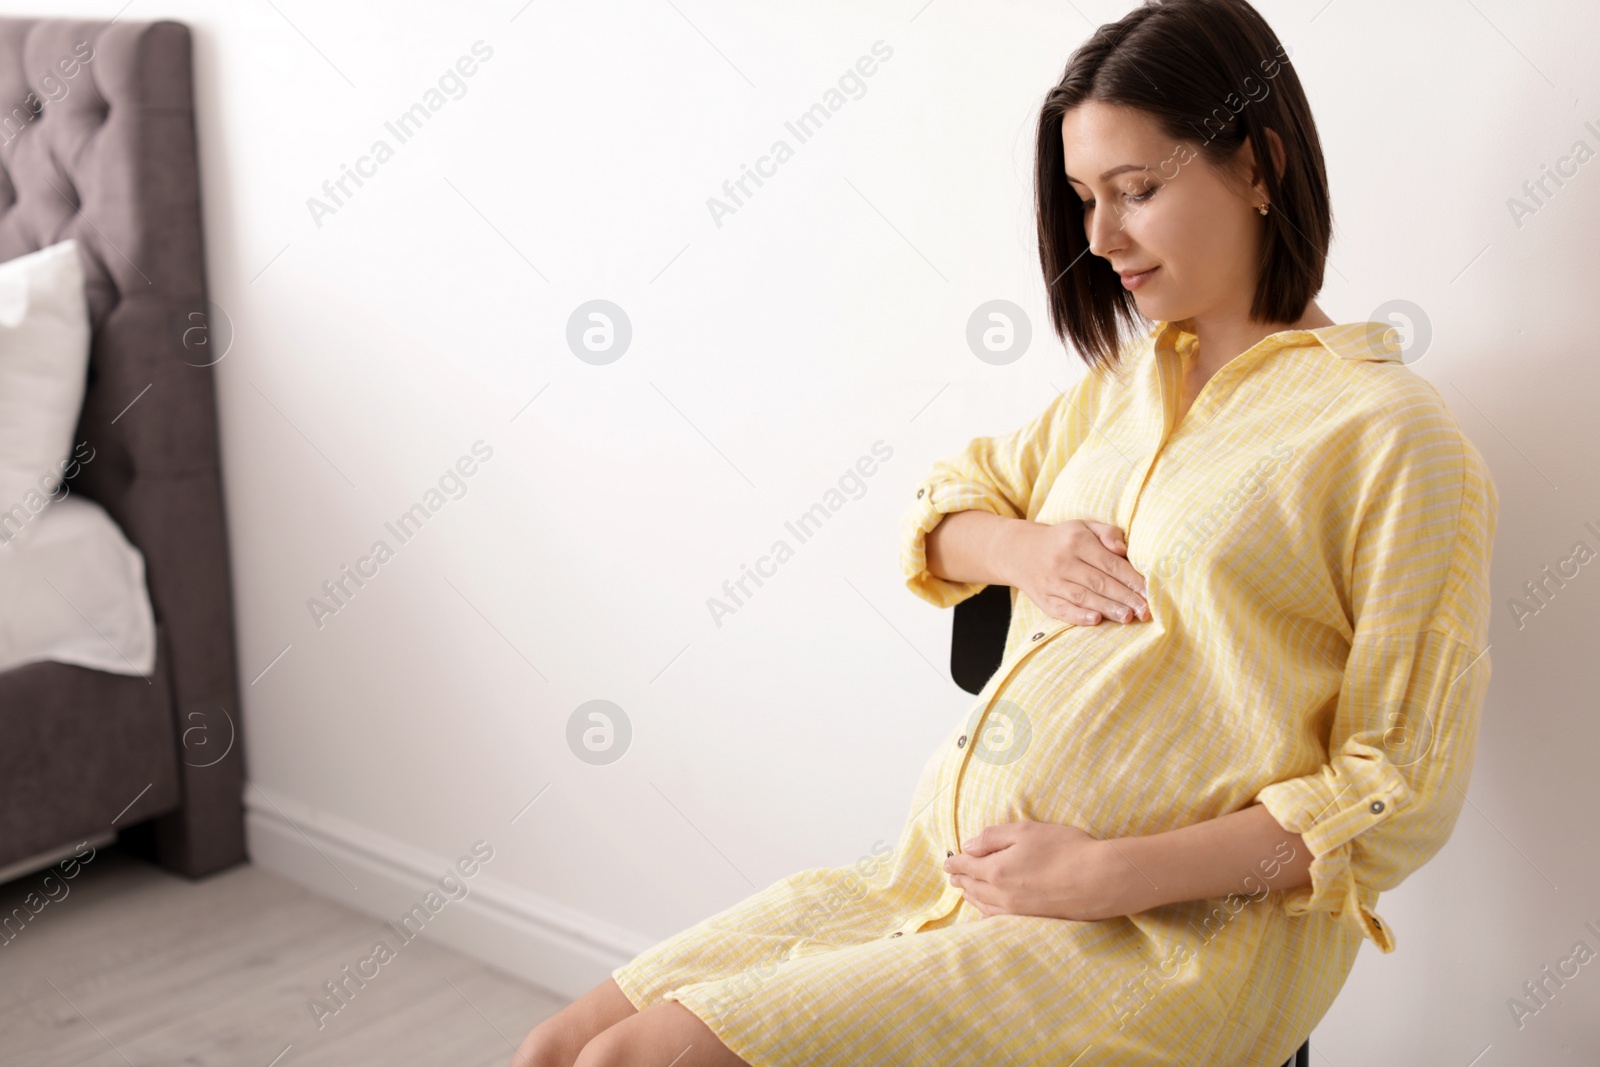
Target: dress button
pixel 948 853
pixel 1377 806
pixel 1036 636
pixel 920 492
pixel 897 933
pixel 961 741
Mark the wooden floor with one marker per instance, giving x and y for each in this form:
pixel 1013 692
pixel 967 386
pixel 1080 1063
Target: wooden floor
pixel 138 966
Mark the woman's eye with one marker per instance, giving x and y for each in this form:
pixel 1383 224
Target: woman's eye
pixel 1137 198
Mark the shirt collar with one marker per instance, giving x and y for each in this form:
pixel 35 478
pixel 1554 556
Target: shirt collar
pixel 1371 342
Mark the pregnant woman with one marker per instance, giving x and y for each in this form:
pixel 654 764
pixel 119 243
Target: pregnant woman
pixel 1241 688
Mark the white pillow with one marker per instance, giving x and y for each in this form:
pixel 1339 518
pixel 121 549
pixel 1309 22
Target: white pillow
pixel 44 366
pixel 73 591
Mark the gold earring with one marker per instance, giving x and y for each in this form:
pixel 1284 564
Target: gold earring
pixel 1261 208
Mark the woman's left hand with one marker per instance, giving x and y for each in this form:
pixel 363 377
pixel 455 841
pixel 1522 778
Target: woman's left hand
pixel 1040 868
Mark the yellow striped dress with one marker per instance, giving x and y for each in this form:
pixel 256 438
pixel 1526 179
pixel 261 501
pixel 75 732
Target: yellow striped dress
pixel 1315 535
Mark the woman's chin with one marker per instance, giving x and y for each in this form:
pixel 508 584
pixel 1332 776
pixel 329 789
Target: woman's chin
pixel 1152 308
pixel 1159 308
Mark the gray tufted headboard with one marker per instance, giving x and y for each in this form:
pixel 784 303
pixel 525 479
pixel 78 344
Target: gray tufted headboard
pixel 97 142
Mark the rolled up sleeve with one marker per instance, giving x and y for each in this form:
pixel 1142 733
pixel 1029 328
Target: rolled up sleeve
pixel 1401 743
pixel 1388 796
pixel 1005 475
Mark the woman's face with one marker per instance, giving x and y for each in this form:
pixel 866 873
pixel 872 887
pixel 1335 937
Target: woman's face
pixel 1169 210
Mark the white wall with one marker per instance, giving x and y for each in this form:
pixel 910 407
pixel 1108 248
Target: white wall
pixel 768 355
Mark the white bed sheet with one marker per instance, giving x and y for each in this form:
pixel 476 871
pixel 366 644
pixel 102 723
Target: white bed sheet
pixel 72 590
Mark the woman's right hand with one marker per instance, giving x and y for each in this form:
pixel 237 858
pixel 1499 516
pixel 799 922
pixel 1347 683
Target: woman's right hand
pixel 1077 571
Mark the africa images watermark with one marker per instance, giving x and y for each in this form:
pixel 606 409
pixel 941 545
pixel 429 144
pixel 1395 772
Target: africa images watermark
pixel 854 886
pixel 55 90
pixel 339 591
pixel 341 990
pixel 1217 121
pixel 52 486
pixel 1539 992
pixel 11 926
pixel 802 128
pixel 403 127
pixel 1198 528
pixel 1538 191
pixel 1539 592
pixel 1139 988
pixel 803 528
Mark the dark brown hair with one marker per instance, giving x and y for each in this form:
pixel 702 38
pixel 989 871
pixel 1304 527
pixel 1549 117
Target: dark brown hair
pixel 1210 73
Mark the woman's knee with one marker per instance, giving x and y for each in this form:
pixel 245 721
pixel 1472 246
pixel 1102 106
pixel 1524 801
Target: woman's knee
pixel 605 1049
pixel 543 1047
pixel 625 1046
pixel 663 1033
pixel 558 1040
pixel 550 1044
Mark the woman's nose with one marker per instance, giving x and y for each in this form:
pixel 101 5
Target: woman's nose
pixel 1105 232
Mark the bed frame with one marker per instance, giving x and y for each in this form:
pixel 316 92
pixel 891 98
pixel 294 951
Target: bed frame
pixel 97 142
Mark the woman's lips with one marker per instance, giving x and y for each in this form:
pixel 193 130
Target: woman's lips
pixel 1133 281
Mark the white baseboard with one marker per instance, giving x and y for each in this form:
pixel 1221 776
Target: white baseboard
pixel 521 933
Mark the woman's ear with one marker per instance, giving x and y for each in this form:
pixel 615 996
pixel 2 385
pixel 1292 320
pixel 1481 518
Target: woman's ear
pixel 1247 160
pixel 1280 157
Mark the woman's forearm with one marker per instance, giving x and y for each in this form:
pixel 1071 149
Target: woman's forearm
pixel 973 546
pixel 1242 852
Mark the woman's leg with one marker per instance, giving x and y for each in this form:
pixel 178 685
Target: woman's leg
pixel 557 1041
pixel 663 1035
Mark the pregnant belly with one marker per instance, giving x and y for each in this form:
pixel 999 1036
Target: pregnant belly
pixel 1103 728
